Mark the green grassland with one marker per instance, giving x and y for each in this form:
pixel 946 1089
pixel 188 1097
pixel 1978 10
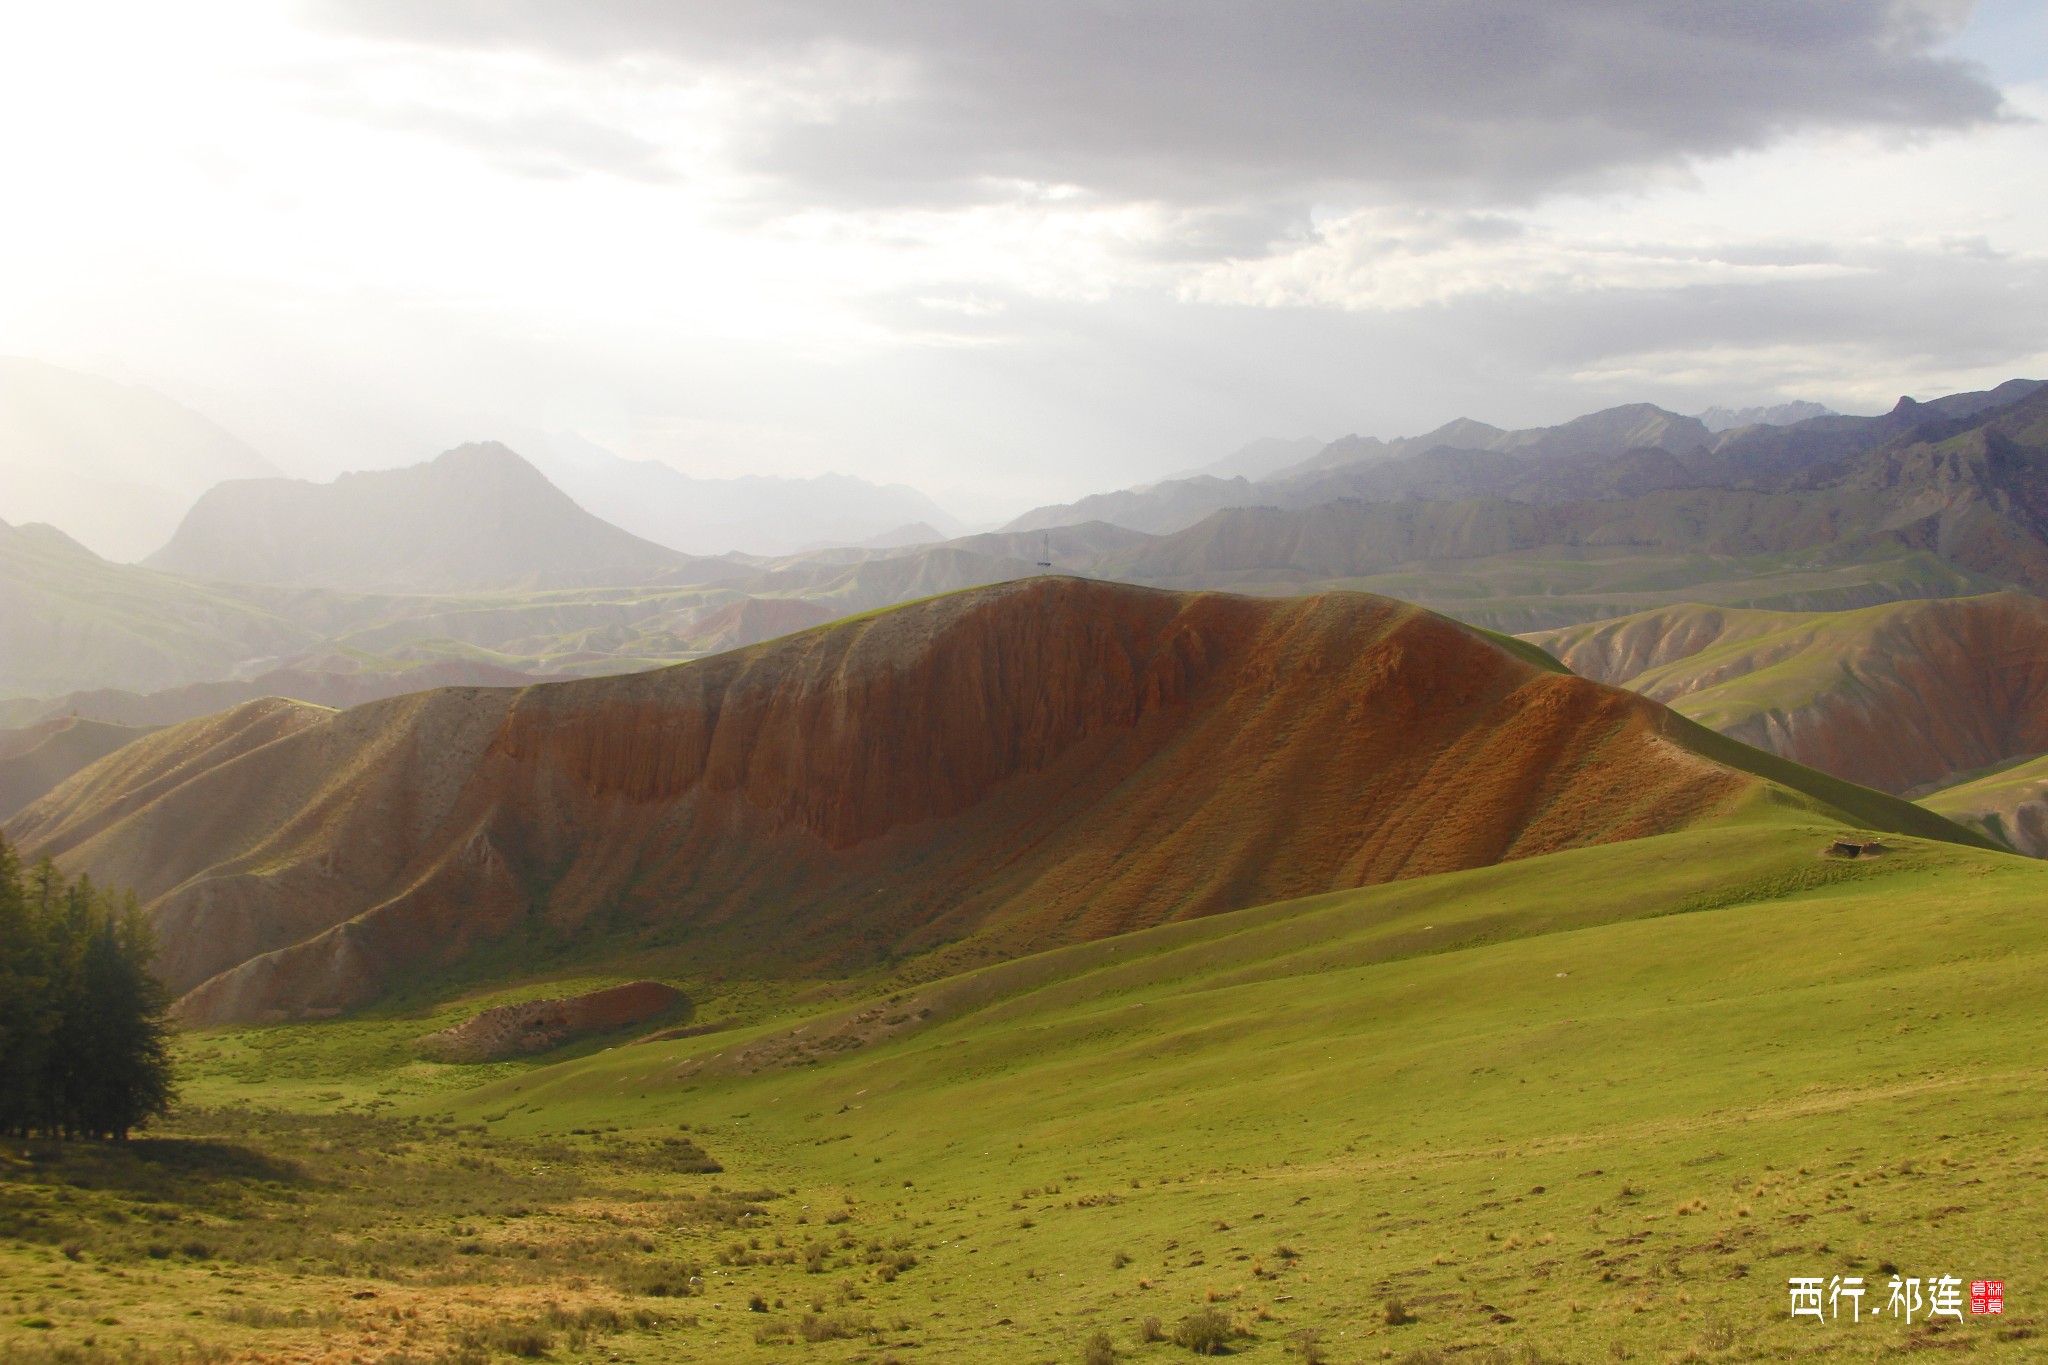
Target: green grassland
pixel 1597 1106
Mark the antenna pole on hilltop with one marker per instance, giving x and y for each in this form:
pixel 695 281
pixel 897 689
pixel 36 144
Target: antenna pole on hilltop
pixel 1045 552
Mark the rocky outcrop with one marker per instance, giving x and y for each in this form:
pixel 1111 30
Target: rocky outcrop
pixel 993 772
pixel 543 1025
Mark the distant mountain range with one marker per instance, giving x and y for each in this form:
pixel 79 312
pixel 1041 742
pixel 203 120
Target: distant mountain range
pixel 1600 517
pixel 754 514
pixel 1620 451
pixel 104 640
pixel 115 465
pixel 477 557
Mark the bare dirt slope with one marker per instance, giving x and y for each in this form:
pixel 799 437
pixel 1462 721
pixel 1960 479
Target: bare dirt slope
pixel 1001 770
pixel 1898 697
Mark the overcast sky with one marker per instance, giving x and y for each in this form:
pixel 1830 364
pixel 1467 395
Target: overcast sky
pixel 1012 253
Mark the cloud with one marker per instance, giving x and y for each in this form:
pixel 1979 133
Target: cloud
pixel 546 144
pixel 1223 103
pixel 1408 258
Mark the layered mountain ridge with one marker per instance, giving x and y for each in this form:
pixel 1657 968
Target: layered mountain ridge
pixel 998 770
pixel 1617 452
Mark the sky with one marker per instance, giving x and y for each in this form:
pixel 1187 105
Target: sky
pixel 1012 254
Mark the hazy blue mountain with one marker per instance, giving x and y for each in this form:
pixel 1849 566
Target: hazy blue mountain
pixel 477 517
pixel 1364 466
pixel 1257 459
pixel 757 514
pixel 112 465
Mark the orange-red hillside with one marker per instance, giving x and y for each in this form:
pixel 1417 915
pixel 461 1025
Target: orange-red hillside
pixel 1018 765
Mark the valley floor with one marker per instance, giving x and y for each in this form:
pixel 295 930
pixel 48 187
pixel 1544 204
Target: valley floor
pixel 1605 1105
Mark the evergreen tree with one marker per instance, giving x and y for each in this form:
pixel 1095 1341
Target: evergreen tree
pixel 84 1030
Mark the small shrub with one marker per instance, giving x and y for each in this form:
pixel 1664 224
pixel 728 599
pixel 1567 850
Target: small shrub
pixel 1206 1333
pixel 1099 1351
pixel 1150 1331
pixel 834 1327
pixel 1396 1313
pixel 662 1280
pixel 1308 1344
pixel 1116 1262
pixel 527 1340
pixel 757 1304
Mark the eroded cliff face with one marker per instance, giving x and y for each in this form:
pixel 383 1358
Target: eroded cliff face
pixel 1896 697
pixel 1004 770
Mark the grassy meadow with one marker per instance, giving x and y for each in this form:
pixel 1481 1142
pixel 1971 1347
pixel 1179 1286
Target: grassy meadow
pixel 1596 1106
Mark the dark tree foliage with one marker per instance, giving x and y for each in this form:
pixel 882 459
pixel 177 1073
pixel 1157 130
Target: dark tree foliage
pixel 83 1021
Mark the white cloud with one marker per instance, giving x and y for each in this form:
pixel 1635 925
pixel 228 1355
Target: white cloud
pixel 362 245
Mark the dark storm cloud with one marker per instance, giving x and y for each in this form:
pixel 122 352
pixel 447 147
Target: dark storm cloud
pixel 1218 101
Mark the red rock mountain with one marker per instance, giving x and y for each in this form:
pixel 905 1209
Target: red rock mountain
pixel 1000 770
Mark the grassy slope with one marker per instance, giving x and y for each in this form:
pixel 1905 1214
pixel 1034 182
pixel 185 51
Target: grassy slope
pixel 1386 1075
pixel 1723 1059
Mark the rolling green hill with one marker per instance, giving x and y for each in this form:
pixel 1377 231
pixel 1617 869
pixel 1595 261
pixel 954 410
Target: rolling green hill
pixel 1600 1105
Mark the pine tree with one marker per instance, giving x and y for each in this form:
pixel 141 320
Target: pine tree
pixel 84 1030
